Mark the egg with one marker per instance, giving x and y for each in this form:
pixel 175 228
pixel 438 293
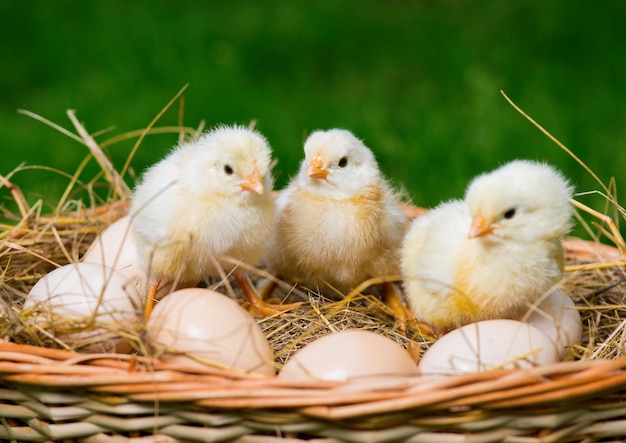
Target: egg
pixel 558 318
pixel 199 327
pixel 487 345
pixel 115 247
pixel 95 302
pixel 348 354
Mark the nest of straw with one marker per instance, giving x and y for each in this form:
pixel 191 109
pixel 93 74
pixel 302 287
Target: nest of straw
pixel 215 405
pixel 35 245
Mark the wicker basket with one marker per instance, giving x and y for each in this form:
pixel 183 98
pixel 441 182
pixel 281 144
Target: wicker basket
pixel 53 395
pixel 59 395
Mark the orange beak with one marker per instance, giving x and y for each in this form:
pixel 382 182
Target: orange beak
pixel 254 183
pixel 480 227
pixel 316 168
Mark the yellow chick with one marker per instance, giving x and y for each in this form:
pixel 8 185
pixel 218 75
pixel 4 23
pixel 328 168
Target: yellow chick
pixel 208 199
pixel 493 254
pixel 338 222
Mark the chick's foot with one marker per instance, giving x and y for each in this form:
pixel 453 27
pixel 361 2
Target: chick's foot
pixel 255 304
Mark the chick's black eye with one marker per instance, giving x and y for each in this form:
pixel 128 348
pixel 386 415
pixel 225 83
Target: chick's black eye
pixel 228 169
pixel 509 214
pixel 343 162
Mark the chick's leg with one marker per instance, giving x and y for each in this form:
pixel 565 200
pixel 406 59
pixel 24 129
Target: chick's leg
pixel 148 304
pixel 256 305
pixel 393 299
pixel 267 289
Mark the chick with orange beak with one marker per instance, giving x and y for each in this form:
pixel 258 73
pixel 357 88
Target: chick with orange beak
pixel 207 201
pixel 493 254
pixel 338 222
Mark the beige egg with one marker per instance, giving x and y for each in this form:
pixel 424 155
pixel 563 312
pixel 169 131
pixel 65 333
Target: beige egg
pixel 558 318
pixel 201 327
pixel 347 355
pixel 96 301
pixel 115 247
pixel 487 345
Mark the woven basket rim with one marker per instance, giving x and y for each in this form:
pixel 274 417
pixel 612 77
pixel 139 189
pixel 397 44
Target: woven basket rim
pixel 432 408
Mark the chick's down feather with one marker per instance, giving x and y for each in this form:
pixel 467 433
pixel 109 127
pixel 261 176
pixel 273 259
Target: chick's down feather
pixel 208 200
pixel 493 254
pixel 338 221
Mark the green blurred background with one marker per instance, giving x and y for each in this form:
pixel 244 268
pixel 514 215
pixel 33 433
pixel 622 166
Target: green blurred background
pixel 419 81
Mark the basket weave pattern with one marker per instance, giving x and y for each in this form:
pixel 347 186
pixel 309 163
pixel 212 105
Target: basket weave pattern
pixel 53 395
pixel 58 395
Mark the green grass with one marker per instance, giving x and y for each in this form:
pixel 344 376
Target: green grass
pixel 418 81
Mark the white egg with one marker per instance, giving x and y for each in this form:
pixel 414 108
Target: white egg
pixel 115 247
pixel 349 354
pixel 558 318
pixel 96 301
pixel 487 345
pixel 198 326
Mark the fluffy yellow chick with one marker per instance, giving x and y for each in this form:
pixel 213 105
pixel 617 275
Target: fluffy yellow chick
pixel 493 254
pixel 208 199
pixel 338 222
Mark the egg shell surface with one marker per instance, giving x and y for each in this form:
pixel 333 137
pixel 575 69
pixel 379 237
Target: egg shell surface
pixel 487 345
pixel 348 354
pixel 75 294
pixel 200 327
pixel 115 247
pixel 558 318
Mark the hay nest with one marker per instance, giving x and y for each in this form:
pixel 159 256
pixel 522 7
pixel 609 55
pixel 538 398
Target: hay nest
pixel 50 392
pixel 595 279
